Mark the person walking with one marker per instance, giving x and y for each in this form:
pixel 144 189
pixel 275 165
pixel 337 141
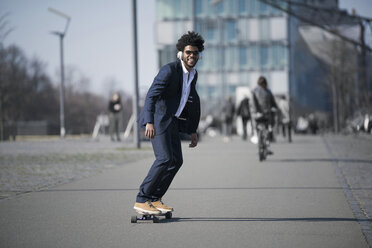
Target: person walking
pixel 285 119
pixel 114 116
pixel 245 113
pixel 228 112
pixel 172 105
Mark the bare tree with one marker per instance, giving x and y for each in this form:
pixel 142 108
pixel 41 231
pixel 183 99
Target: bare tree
pixel 13 72
pixel 27 93
pixel 41 99
pixel 4 28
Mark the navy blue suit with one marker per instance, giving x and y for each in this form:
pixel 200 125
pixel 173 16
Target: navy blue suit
pixel 161 104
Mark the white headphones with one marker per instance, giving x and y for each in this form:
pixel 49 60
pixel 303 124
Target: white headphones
pixel 179 55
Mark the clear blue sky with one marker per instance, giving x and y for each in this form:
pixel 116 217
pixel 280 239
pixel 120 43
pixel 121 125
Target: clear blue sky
pixel 98 41
pixel 99 38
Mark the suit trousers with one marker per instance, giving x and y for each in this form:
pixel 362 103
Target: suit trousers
pixel 168 160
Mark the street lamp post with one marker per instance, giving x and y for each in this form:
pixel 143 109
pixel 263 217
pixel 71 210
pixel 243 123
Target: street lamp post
pixel 62 88
pixel 136 135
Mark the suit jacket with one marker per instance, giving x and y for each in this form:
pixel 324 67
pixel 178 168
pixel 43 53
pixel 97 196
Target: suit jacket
pixel 163 99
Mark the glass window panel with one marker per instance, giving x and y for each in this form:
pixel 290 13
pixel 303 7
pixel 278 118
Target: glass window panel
pixel 166 55
pixel 228 58
pixel 274 56
pixel 185 9
pixel 273 11
pixel 159 10
pixel 210 34
pixel 243 29
pixel 169 10
pixel 216 62
pixel 179 29
pixel 220 63
pixel 264 57
pixel 211 31
pixel 283 55
pixel 264 29
pixel 207 58
pixel 242 6
pixel 220 8
pixel 164 8
pixel 210 8
pixel 244 78
pixel 212 91
pixel 279 56
pixel 198 7
pixel 263 8
pixel 210 59
pixel 252 58
pixel 243 57
pixel 199 27
pixel 283 5
pixel 201 65
pixel 252 7
pixel 231 61
pixel 231 8
pixel 177 8
pixel 231 30
pixel 231 90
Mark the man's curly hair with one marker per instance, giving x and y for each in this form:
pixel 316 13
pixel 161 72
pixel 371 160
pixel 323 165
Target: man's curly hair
pixel 190 39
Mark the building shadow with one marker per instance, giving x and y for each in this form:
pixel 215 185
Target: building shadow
pixel 252 219
pixel 311 160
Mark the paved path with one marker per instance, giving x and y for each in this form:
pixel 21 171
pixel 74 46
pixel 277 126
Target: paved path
pixel 223 197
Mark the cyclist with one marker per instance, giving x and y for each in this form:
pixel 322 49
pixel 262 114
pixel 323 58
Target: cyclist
pixel 264 107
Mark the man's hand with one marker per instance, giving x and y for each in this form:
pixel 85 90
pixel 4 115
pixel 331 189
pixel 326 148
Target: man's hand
pixel 150 130
pixel 194 140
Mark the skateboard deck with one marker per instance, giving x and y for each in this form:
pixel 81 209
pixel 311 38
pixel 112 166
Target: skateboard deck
pixel 149 217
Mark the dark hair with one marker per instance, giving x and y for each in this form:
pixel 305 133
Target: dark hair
pixel 262 81
pixel 190 39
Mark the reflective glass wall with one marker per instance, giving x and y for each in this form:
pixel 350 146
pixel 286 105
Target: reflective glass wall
pixel 243 40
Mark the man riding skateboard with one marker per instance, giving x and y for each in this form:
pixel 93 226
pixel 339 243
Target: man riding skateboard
pixel 172 105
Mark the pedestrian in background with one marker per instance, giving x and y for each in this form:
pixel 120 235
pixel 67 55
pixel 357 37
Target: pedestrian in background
pixel 228 112
pixel 285 120
pixel 245 113
pixel 114 116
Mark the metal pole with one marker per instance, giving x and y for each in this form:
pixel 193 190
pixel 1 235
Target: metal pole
pixel 363 68
pixel 193 16
pixel 62 90
pixel 290 64
pixel 136 135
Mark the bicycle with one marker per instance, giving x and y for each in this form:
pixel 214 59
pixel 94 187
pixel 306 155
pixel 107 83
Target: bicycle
pixel 263 140
pixel 264 135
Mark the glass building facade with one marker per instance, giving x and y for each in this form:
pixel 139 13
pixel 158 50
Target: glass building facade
pixel 244 39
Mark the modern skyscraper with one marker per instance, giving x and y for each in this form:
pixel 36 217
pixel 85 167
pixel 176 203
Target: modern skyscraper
pixel 244 40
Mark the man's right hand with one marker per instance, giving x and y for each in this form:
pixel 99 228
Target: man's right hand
pixel 150 130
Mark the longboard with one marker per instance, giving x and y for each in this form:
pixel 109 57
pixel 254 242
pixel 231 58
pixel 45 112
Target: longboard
pixel 149 217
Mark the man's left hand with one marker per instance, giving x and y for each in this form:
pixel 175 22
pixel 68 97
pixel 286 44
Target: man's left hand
pixel 194 140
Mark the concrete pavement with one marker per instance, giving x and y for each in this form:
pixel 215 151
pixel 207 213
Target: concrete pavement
pixel 223 197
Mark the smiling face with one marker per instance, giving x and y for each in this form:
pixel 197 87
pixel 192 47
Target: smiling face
pixel 190 56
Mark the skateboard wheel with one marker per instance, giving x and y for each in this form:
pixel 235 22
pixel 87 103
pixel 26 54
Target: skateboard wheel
pixel 155 219
pixel 133 219
pixel 168 215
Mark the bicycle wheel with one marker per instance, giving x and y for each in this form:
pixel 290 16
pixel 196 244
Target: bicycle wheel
pixel 261 145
